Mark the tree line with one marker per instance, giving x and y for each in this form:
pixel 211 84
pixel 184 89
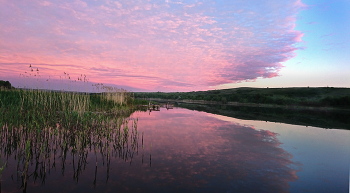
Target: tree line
pixel 320 96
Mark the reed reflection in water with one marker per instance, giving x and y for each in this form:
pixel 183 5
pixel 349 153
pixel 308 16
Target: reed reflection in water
pixel 31 155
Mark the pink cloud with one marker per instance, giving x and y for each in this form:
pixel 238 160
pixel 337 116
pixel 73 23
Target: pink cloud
pixel 157 45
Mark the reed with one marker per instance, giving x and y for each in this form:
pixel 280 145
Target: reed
pixel 40 126
pixel 111 99
pixel 118 96
pixel 34 108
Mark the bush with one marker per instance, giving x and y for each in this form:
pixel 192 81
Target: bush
pixel 5 84
pixel 223 100
pixel 338 101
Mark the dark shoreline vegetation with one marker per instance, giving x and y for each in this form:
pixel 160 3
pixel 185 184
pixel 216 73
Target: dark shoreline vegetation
pixel 326 119
pixel 299 96
pixel 5 84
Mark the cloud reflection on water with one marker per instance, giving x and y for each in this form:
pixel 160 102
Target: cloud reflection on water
pixel 192 150
pixel 184 151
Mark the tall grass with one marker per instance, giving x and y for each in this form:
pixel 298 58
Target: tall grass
pixel 118 96
pixel 34 108
pixel 111 99
pixel 38 108
pixel 54 101
pixel 35 124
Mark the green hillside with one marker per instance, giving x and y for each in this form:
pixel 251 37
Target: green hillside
pixel 304 96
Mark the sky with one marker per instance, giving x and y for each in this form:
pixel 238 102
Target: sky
pixel 175 45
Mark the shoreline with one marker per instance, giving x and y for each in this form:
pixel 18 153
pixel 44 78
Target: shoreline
pixel 296 107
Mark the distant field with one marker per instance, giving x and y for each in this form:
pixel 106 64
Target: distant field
pixel 302 96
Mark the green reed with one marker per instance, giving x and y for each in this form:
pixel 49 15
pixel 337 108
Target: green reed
pixel 39 127
pixel 38 108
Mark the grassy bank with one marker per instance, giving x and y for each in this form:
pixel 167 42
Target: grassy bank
pixel 301 96
pixel 42 128
pixel 37 125
pixel 40 109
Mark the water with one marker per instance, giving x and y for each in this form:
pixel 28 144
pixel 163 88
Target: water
pixel 181 150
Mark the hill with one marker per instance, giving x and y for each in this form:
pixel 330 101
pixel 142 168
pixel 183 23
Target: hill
pixel 295 96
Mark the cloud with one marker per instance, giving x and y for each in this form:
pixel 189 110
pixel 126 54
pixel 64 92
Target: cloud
pixel 187 46
pixel 326 35
pixel 45 3
pixel 311 23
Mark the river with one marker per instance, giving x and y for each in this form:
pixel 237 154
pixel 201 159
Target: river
pixel 183 150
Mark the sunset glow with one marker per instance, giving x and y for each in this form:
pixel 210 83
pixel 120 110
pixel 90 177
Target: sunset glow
pixel 175 45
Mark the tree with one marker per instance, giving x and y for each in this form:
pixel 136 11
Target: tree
pixel 5 84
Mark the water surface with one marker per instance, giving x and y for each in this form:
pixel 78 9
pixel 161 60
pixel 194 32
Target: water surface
pixel 181 150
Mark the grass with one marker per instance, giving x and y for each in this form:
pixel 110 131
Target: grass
pixel 41 126
pixel 35 108
pixel 40 109
pixel 36 125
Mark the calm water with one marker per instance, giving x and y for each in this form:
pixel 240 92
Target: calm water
pixel 181 150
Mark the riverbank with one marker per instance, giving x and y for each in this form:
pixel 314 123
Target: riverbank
pixel 300 97
pixel 333 119
pixel 238 104
pixel 38 109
